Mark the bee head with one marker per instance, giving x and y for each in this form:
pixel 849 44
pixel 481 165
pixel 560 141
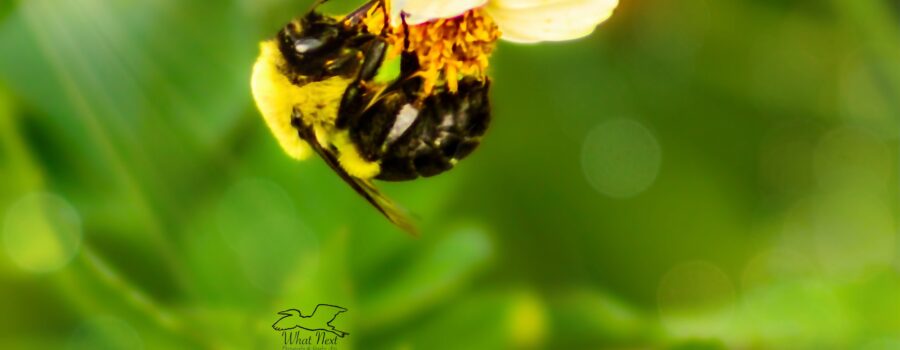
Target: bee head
pixel 310 41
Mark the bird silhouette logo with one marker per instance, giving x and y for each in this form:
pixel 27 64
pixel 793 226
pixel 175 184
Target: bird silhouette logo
pixel 319 320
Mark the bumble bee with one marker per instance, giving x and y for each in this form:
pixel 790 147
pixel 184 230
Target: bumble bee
pixel 315 85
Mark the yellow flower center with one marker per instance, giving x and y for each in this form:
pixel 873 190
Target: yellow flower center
pixel 447 48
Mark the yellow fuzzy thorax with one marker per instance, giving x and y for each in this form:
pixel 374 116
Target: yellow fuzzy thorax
pixel 277 97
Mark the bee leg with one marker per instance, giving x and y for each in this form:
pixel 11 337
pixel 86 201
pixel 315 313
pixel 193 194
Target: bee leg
pixel 409 62
pixel 374 53
pixel 387 18
pixel 344 65
pixel 405 25
pixel 355 98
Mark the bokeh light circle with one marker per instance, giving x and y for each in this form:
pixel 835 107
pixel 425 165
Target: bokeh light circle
pixel 854 234
pixel 776 265
pixel 853 158
pixel 785 156
pixel 528 321
pixel 620 158
pixel 41 232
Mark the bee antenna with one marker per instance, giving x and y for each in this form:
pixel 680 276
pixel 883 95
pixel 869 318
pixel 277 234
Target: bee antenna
pixel 317 3
pixel 387 16
pixel 354 17
pixel 403 16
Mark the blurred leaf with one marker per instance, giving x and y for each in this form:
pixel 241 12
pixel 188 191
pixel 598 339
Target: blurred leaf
pixel 6 6
pixel 480 321
pixel 699 344
pixel 585 318
pixel 438 271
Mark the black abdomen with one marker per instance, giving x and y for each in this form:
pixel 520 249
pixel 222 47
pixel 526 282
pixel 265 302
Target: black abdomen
pixel 422 138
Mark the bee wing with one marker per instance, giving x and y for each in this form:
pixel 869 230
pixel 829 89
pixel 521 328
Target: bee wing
pixel 396 214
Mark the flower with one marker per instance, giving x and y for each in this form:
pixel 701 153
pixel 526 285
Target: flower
pixel 454 38
pixel 525 21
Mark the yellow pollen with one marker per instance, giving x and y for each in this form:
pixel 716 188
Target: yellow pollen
pixel 447 48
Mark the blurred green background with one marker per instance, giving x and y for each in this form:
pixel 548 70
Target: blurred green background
pixel 696 174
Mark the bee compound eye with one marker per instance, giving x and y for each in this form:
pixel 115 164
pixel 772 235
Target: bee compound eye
pixel 305 45
pixel 315 38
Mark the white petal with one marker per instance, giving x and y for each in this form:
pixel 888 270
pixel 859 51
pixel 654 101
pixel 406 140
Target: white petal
pixel 549 20
pixel 420 11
